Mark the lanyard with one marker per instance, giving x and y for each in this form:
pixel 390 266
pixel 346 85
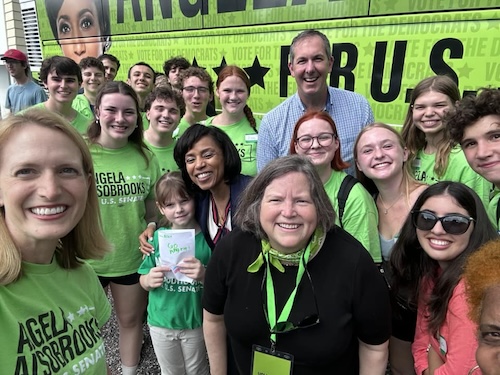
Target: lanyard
pixel 271 301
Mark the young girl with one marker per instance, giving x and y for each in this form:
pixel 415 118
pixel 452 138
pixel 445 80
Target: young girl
pixel 126 172
pixel 447 223
pixel 381 166
pixel 236 119
pixel 431 153
pixel 174 309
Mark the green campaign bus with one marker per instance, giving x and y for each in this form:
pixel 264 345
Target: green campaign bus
pixel 381 48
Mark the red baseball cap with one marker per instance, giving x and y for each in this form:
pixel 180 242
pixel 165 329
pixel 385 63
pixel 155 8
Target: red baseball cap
pixel 14 54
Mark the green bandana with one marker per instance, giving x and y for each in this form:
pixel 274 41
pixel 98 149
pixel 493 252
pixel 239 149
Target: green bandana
pixel 275 257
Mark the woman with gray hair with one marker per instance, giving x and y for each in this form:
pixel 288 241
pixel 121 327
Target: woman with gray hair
pixel 308 294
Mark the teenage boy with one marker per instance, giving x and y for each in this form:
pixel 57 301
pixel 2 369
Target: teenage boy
pixel 111 66
pixel 173 68
pixel 62 78
pixel 164 109
pixel 93 79
pixel 475 125
pixel 197 91
pixel 24 92
pixel 141 77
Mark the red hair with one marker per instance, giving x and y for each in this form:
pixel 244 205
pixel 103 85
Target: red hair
pixel 337 163
pixel 233 70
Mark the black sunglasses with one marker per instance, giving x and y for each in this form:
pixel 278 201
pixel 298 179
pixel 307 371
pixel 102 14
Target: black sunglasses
pixel 283 327
pixel 452 223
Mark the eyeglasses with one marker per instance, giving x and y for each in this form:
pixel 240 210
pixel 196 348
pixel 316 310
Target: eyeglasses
pixel 452 223
pixel 191 89
pixel 283 327
pixel 324 140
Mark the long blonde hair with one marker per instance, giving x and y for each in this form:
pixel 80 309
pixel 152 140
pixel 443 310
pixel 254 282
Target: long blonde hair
pixel 86 240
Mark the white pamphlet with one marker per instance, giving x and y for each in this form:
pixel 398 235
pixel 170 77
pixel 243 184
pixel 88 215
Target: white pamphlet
pixel 176 245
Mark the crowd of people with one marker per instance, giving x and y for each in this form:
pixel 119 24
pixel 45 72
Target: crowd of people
pixel 315 241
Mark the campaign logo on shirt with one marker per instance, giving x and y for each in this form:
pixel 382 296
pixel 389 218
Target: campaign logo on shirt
pixel 59 342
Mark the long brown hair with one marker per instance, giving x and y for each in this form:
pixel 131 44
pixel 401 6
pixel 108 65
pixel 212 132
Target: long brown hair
pixel 413 136
pixel 136 138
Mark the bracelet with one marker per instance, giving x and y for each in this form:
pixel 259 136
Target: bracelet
pixel 151 223
pixel 428 348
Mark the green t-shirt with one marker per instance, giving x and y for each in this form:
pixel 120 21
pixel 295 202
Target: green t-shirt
pixel 82 105
pixel 183 126
pixel 50 320
pixel 145 121
pixel 492 209
pixel 360 214
pixel 80 122
pixel 458 170
pixel 124 183
pixel 244 138
pixel 165 156
pixel 176 304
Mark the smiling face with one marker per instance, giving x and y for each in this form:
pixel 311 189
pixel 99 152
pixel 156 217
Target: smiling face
pixel 287 213
pixel 481 146
pixel 78 29
pixel 488 351
pixel 179 212
pixel 233 95
pixel 163 116
pixel 205 164
pixel 43 186
pixel 93 79
pixel 320 156
pixel 310 66
pixel 196 100
pixel 439 245
pixel 379 154
pixel 141 80
pixel 117 115
pixel 429 110
pixel 63 88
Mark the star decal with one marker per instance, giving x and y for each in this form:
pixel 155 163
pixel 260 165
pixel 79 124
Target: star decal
pixel 256 72
pixel 493 23
pixel 223 63
pixel 231 18
pixel 465 71
pixel 82 310
pixel 70 317
pixel 195 64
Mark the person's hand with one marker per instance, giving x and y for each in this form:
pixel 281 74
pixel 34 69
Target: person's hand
pixel 154 279
pixel 146 248
pixel 192 267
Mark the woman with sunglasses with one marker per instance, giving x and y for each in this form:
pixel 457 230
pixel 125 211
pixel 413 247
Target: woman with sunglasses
pixel 447 223
pixel 315 137
pixel 289 283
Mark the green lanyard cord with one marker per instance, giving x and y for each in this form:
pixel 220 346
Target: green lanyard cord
pixel 271 301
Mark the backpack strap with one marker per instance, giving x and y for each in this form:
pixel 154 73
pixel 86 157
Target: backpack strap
pixel 498 211
pixel 345 188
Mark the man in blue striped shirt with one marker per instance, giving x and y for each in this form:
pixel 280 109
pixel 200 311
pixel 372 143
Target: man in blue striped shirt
pixel 310 62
